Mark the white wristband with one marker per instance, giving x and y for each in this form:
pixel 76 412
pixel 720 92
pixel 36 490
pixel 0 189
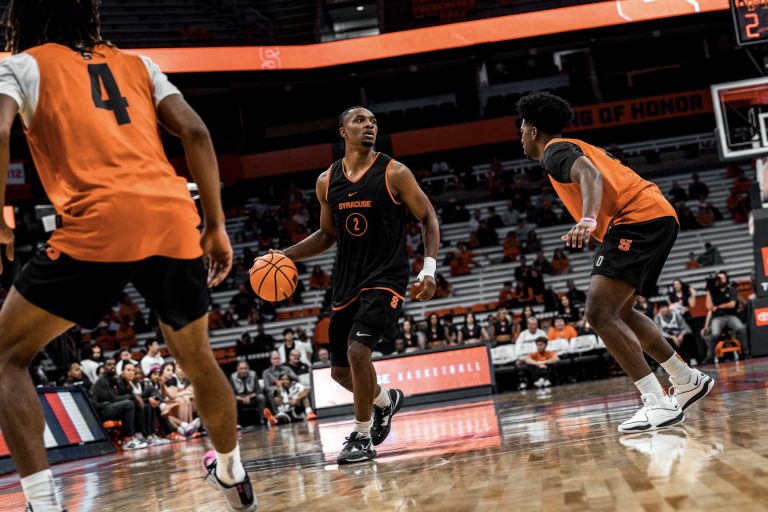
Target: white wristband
pixel 430 265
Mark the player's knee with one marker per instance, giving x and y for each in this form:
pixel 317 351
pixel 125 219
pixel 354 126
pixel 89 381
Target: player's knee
pixel 357 353
pixel 598 314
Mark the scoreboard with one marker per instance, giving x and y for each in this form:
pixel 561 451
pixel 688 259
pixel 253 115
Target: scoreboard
pixel 750 19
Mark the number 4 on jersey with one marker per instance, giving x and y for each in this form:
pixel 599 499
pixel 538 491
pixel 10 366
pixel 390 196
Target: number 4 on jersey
pixel 100 74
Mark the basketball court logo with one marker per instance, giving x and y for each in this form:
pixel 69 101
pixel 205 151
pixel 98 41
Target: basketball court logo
pixel 761 317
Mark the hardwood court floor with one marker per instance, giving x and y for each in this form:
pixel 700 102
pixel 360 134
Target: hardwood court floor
pixel 535 450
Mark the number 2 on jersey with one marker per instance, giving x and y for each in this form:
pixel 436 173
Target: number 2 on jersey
pixel 100 74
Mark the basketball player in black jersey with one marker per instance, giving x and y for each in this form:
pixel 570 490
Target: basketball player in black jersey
pixel 364 198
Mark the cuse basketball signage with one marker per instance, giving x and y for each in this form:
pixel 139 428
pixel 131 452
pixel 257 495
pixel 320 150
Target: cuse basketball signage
pixel 761 317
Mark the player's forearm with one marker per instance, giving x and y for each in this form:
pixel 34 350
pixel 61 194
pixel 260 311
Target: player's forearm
pixel 430 231
pixel 591 186
pixel 202 163
pixel 316 243
pixel 5 156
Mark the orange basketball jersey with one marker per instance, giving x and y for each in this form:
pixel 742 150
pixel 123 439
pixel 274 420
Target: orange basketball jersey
pixel 627 198
pixel 95 142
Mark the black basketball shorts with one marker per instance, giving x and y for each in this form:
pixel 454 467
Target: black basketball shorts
pixel 369 319
pixel 83 292
pixel 636 253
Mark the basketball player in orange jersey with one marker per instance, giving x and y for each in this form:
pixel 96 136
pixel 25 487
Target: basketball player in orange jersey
pixel 637 228
pixel 91 114
pixel 364 198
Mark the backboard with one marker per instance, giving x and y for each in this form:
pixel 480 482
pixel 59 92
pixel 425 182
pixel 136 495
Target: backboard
pixel 741 114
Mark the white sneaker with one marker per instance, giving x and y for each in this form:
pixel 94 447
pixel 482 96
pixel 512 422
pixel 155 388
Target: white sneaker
pixel 134 444
pixel 693 362
pixel 539 383
pixel 688 394
pixel 546 383
pixel 657 412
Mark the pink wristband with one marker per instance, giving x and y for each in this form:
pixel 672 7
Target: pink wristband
pixel 590 219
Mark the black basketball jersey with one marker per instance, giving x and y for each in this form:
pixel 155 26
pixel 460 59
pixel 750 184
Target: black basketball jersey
pixel 370 233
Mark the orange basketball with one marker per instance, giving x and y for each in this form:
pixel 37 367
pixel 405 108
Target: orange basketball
pixel 274 277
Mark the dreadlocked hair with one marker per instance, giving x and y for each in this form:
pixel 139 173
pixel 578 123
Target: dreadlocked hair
pixel 72 23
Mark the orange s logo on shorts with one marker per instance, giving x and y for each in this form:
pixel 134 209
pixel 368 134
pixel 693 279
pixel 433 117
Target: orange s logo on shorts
pixel 394 302
pixel 624 244
pixel 53 254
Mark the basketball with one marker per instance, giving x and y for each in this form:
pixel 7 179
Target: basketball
pixel 274 277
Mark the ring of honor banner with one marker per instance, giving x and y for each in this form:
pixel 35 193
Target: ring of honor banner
pixel 72 429
pixel 444 374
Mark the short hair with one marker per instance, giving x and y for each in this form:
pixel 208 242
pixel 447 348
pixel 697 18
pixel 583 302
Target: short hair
pixel 345 114
pixel 542 339
pixel 150 342
pixel 663 303
pixel 545 111
pixel 288 330
pixel 559 317
pixel 245 363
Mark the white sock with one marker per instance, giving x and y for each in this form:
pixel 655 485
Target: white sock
pixel 363 427
pixel 383 400
pixel 678 370
pixel 40 491
pixel 649 384
pixel 308 410
pixel 229 469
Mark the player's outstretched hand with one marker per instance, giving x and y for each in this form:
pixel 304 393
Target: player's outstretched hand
pixel 426 288
pixel 579 234
pixel 6 239
pixel 218 253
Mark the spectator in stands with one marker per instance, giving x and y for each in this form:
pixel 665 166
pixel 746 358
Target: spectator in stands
pixel 462 260
pixel 551 299
pixel 710 257
pixel 417 264
pixel 706 216
pixel 511 247
pixel 289 343
pixel 111 406
pixel 125 357
pixel 319 279
pixel 321 332
pixel 295 363
pixel 474 222
pixel 527 313
pixel 494 219
pixel 291 400
pixel 675 329
pixel 128 308
pixel 412 339
pixel 323 356
pixel 567 310
pixel 575 296
pixel 532 333
pixel 693 262
pixel 540 365
pixel 507 297
pixel 471 331
pixel 76 378
pixel 560 263
pixel 686 218
pixel 454 211
pixel 642 305
pixel 532 243
pixel 473 242
pixel 243 302
pixel 244 346
pixel 542 264
pixel 561 330
pixel 153 357
pixel 504 329
pixel 230 318
pixel 682 298
pixel 510 216
pixel 267 310
pixel 722 311
pixel 215 318
pixel 248 394
pixel 523 271
pixel 174 391
pixel 90 364
pixel 524 293
pixel 125 337
pixel 436 334
pixel 486 235
pixel 738 205
pixel 741 184
pixel 443 288
pixel 146 411
pixel 677 193
pixel 272 374
pixel 697 189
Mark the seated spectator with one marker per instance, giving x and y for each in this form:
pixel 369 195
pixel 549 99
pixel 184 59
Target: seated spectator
pixel 215 318
pixel 292 402
pixel 687 219
pixel 504 329
pixel 532 243
pixel 474 241
pixel 321 332
pixel 486 235
pixel 540 365
pixel 561 330
pixel 147 414
pixel 248 394
pixel 575 296
pixel 319 279
pixel 125 337
pixel 551 299
pixel 510 216
pixel 560 263
pixel 175 391
pixel 474 222
pixel 113 407
pixel 710 257
pixel 94 360
pixel 471 331
pixel 642 305
pixel 706 216
pixel 675 329
pixel 244 346
pixel 463 259
pixel 524 293
pixel 494 220
pixel 128 308
pixel 272 374
pixel 511 247
pixel 295 363
pixel 738 205
pixel 412 339
pixel 722 311
pixel 323 356
pixel 230 317
pixel 507 297
pixel 443 288
pixel 153 357
pixel 76 378
pixel 523 272
pixel 741 184
pixel 567 311
pixel 125 357
pixel 289 343
pixel 541 264
pixel 693 262
pixel 697 189
pixel 532 333
pixel 526 314
pixel 436 334
pixel 677 192
pixel 682 298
